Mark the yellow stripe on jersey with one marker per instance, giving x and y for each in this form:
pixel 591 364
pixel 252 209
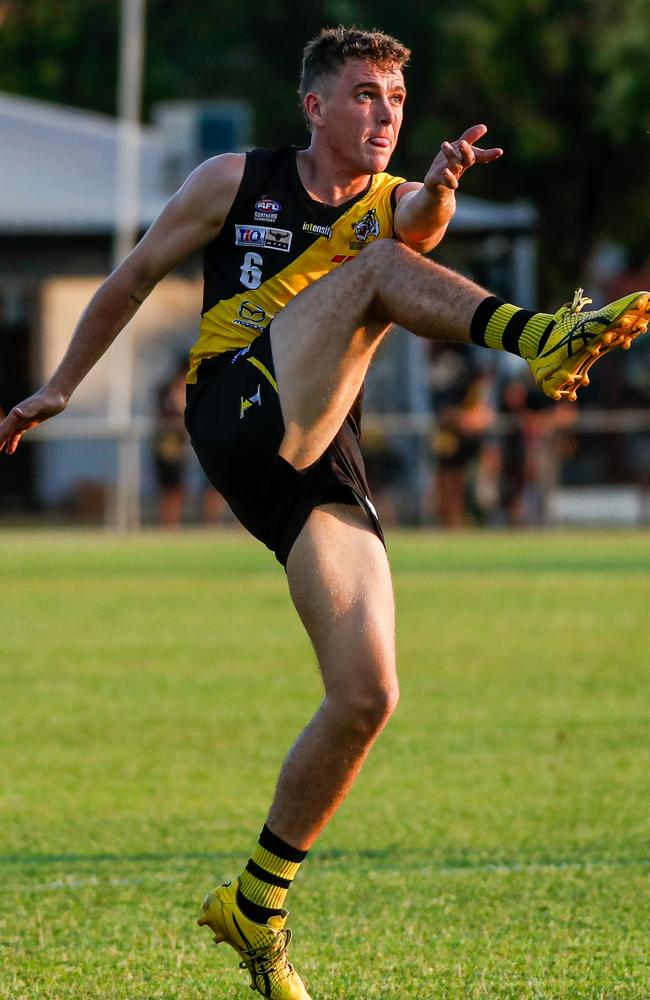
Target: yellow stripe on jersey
pixel 236 322
pixel 264 370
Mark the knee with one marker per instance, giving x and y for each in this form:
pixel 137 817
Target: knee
pixel 384 253
pixel 378 262
pixel 363 710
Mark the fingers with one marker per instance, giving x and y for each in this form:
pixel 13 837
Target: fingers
pixel 459 154
pixel 487 155
pixel 9 437
pixel 474 133
pixel 12 444
pixel 463 154
pixel 449 179
pixel 467 153
pixel 456 157
pixel 12 429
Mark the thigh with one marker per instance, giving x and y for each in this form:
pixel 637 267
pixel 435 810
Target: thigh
pixel 323 342
pixel 340 583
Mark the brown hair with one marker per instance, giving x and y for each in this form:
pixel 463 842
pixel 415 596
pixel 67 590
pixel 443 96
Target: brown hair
pixel 325 55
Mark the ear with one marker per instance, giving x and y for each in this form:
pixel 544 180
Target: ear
pixel 314 109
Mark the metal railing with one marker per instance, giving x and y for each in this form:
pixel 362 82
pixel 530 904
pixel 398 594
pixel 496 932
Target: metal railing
pixel 124 509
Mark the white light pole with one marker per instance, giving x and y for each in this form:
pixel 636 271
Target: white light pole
pixel 121 357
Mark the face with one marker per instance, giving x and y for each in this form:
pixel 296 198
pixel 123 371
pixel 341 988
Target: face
pixel 358 114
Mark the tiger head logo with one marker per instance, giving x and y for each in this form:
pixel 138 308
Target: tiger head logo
pixel 367 228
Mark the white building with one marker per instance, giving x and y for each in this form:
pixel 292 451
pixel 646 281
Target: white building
pixel 57 211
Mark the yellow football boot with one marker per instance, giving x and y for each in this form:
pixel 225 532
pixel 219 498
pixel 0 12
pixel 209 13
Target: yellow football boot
pixel 262 947
pixel 577 340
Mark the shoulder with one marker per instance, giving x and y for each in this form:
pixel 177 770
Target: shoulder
pixel 216 181
pixel 404 188
pixel 207 195
pixel 395 187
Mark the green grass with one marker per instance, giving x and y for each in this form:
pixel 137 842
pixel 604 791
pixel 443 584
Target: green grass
pixel 497 842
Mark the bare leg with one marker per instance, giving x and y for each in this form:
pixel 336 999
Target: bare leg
pixel 213 506
pixel 323 341
pixel 171 507
pixel 451 497
pixel 338 571
pixel 340 583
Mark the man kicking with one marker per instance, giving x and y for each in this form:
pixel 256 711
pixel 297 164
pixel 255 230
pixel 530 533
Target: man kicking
pixel 309 256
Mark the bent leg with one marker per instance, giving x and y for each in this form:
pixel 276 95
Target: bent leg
pixel 340 583
pixel 324 339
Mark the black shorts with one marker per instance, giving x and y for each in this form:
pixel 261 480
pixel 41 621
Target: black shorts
pixel 169 475
pixel 234 420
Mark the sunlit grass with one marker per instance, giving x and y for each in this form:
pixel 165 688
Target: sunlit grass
pixel 496 845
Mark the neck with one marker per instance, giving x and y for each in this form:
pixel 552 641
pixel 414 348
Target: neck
pixel 326 177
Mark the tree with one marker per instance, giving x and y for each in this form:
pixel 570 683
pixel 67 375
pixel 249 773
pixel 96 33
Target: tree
pixel 564 86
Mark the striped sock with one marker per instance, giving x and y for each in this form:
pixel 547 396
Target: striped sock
pixel 264 883
pixel 504 327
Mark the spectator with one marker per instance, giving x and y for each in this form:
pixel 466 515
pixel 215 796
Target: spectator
pixel 463 419
pixel 170 443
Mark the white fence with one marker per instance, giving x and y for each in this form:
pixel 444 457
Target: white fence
pixel 628 503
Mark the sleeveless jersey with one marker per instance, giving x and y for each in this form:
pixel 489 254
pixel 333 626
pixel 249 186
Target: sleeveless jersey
pixel 275 241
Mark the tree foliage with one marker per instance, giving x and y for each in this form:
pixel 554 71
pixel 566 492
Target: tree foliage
pixel 564 86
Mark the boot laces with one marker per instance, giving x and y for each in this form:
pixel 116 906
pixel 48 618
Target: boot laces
pixel 261 961
pixel 580 300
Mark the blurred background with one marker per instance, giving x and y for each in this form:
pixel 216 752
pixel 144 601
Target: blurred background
pixel 105 107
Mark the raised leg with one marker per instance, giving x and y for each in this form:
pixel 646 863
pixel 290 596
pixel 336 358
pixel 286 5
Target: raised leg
pixel 340 583
pixel 323 341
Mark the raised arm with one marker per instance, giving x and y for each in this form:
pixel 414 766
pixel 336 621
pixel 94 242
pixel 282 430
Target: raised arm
pixel 425 210
pixel 191 219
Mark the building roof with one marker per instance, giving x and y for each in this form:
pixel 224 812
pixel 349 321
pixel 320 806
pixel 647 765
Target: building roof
pixel 480 215
pixel 59 170
pixel 59 167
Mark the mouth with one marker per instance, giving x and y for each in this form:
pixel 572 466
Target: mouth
pixel 379 142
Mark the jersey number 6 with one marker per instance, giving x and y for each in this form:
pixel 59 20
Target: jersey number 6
pixel 251 270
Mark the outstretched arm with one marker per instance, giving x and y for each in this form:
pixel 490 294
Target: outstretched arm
pixel 425 210
pixel 191 219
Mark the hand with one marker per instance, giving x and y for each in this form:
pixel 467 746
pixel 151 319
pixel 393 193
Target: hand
pixel 455 157
pixel 31 412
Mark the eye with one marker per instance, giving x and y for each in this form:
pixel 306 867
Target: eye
pixel 397 99
pixel 364 95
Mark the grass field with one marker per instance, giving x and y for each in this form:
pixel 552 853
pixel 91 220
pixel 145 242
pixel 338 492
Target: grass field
pixel 496 845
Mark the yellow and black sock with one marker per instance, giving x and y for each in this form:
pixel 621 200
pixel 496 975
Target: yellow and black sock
pixel 505 327
pixel 264 883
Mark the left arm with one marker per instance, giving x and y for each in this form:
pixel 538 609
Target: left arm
pixel 425 210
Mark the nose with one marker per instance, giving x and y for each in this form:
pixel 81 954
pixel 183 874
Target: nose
pixel 386 112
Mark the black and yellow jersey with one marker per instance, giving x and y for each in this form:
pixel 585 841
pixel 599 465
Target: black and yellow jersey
pixel 275 241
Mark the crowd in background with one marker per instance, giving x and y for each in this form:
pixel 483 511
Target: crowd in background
pixel 496 447
pixel 488 443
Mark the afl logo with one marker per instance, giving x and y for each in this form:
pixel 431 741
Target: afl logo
pixel 267 205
